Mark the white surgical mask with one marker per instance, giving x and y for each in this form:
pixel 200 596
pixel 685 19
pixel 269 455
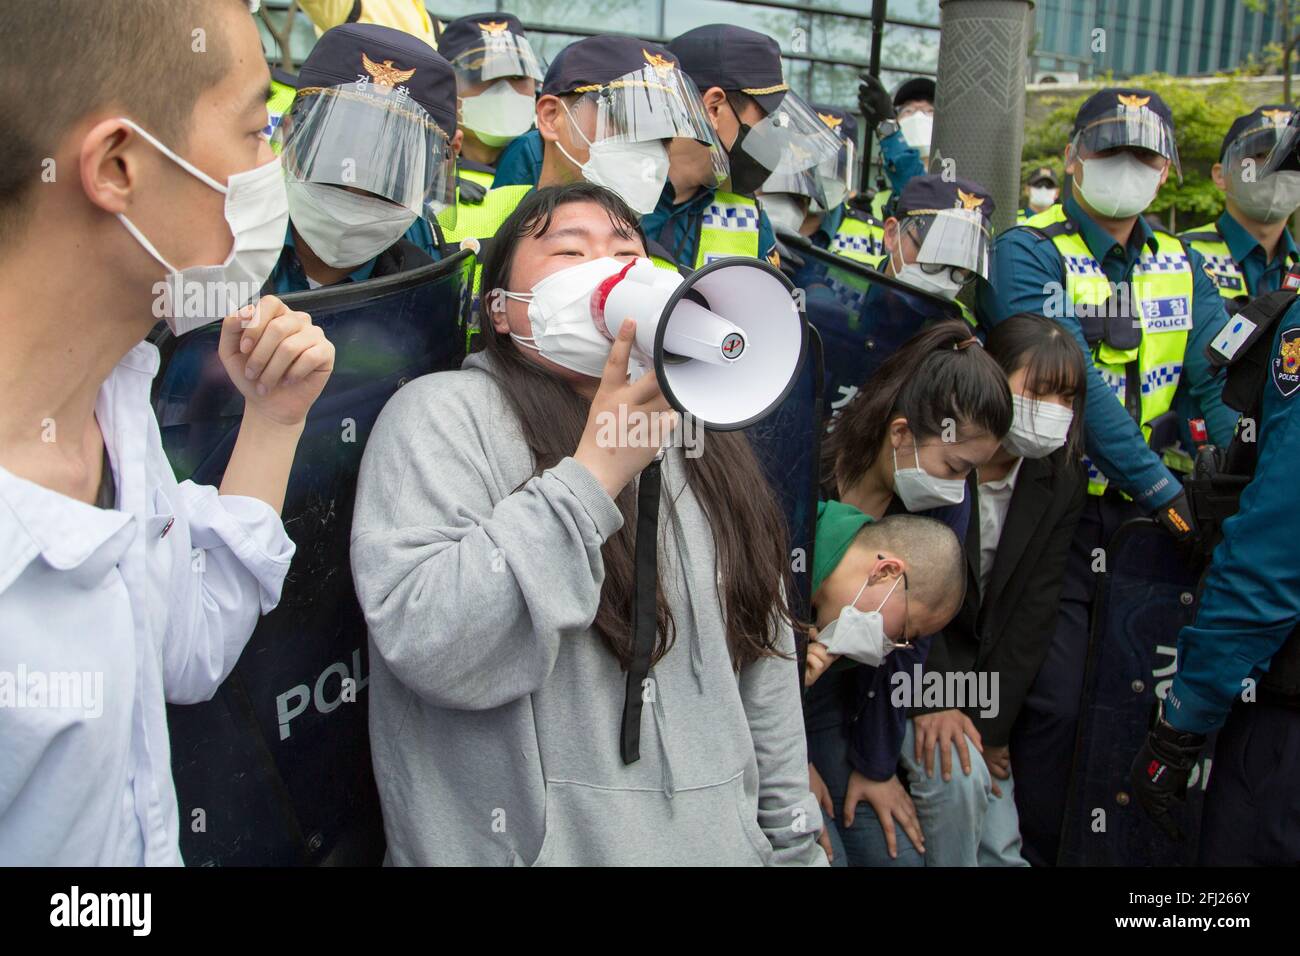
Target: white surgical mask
pixel 1040 197
pixel 343 228
pixel 784 211
pixel 921 491
pixel 1271 199
pixel 940 284
pixel 1119 186
pixel 1037 428
pixel 917 129
pixel 635 171
pixel 559 310
pixel 257 212
pixel 860 635
pixel 498 114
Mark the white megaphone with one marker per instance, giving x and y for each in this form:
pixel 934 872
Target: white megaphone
pixel 726 343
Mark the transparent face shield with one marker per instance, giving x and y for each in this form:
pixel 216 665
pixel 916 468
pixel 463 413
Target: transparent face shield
pixel 790 138
pixel 1282 155
pixel 501 55
pixel 372 138
pixel 838 176
pixel 955 241
pixel 654 103
pixel 1134 128
pixel 805 182
pixel 698 164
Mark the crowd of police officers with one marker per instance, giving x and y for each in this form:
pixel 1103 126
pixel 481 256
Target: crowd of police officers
pixel 1193 341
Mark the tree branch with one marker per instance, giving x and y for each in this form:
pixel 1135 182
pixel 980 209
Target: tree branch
pixel 283 35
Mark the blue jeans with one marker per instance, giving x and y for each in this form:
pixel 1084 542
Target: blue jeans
pixel 862 844
pixel 963 822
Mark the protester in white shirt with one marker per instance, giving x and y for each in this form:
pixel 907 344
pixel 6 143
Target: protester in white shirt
pixel 121 589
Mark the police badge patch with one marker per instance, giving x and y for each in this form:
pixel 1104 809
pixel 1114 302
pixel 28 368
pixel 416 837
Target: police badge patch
pixel 1286 364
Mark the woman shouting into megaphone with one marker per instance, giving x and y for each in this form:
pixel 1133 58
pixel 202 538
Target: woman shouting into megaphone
pixel 495 554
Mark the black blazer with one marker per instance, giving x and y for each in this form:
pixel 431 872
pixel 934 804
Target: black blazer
pixel 1008 630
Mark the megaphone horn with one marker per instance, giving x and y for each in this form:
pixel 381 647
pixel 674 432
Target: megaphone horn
pixel 727 342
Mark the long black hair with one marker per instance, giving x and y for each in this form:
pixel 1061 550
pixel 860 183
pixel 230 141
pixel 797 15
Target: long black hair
pixel 1052 360
pixel 749 532
pixel 939 375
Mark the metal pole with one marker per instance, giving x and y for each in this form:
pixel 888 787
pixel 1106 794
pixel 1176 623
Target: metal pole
pixel 980 98
pixel 873 67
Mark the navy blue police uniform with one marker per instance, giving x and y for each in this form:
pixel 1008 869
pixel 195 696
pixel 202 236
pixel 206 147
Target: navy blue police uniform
pixel 1239 661
pixel 1128 475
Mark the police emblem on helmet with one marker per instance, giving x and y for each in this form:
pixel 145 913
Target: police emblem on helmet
pixel 969 200
pixel 385 74
pixel 661 64
pixel 1132 101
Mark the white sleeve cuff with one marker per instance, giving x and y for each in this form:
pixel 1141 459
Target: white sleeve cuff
pixel 249 527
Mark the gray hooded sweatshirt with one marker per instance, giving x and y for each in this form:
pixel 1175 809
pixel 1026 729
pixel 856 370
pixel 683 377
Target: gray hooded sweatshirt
pixel 494 705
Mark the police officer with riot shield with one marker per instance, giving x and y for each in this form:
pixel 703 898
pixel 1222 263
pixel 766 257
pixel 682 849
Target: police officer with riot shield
pixel 1239 661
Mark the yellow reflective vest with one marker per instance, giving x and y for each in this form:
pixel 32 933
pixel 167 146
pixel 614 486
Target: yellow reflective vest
pixel 1223 269
pixel 728 227
pixel 282 96
pixel 1161 284
pixel 860 238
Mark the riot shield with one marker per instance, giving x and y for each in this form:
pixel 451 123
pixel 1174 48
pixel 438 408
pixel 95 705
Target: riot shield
pixel 863 316
pixel 275 770
pixel 1146 595
pixel 787 444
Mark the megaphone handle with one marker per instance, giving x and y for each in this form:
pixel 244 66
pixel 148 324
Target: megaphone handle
pixel 644 609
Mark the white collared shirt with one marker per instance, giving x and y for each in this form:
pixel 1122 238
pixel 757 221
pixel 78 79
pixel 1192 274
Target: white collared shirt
pixel 995 499
pixel 105 616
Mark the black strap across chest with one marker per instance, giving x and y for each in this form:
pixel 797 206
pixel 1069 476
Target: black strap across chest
pixel 644 610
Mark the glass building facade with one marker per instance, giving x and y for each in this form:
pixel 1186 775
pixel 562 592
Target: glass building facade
pixel 1182 37
pixel 826 42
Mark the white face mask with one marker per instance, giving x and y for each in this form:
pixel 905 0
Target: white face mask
pixel 1119 186
pixel 1037 428
pixel 635 171
pixel 1041 197
pixel 559 309
pixel 941 284
pixel 257 213
pixel 860 635
pixel 917 129
pixel 784 211
pixel 1271 199
pixel 921 491
pixel 345 229
pixel 498 114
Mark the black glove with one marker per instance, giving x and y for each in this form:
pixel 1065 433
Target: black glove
pixel 874 101
pixel 1176 518
pixel 1160 771
pixel 862 201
